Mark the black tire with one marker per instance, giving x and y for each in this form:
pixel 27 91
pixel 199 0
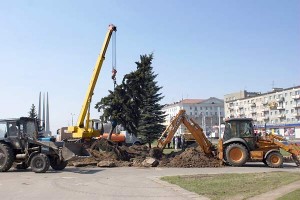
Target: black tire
pixel 57 164
pixel 21 165
pixel 6 157
pixel 236 155
pixel 40 163
pixel 274 159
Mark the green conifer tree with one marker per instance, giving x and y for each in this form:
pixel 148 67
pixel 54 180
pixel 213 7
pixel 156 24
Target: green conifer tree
pixel 135 103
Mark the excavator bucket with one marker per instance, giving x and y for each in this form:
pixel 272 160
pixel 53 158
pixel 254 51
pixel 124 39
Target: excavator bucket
pixel 73 151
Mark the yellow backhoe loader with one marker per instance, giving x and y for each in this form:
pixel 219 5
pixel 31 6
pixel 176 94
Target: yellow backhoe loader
pixel 239 143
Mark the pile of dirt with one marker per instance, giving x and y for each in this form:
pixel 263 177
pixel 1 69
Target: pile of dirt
pixel 111 154
pixel 192 157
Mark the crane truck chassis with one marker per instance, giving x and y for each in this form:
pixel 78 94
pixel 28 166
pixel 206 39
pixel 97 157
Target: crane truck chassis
pixel 20 146
pixel 238 145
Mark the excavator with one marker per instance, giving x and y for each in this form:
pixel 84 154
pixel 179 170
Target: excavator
pixel 85 128
pixel 239 143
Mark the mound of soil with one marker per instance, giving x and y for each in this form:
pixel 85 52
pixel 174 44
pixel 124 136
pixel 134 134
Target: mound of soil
pixel 192 157
pixel 104 150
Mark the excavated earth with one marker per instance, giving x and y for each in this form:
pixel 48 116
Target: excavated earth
pixel 107 154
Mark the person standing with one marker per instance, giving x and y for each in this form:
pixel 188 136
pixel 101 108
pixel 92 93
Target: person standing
pixel 176 143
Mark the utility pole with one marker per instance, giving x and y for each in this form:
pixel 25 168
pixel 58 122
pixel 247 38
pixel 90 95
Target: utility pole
pixel 72 117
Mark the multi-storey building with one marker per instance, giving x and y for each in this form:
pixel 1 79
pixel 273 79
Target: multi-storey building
pixel 278 111
pixel 208 113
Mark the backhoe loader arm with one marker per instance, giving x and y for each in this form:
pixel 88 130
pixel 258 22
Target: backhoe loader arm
pixel 199 135
pixel 192 126
pixel 168 134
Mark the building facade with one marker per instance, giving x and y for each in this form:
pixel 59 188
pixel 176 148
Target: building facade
pixel 277 111
pixel 208 113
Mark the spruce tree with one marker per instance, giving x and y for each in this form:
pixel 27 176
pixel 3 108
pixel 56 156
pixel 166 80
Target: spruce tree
pixel 135 102
pixel 32 112
pixel 151 115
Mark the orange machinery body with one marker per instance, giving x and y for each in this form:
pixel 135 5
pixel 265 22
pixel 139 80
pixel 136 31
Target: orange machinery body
pixel 119 138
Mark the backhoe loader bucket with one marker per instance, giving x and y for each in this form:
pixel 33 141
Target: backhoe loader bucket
pixel 73 151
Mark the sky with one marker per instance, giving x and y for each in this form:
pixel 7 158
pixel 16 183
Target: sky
pixel 201 49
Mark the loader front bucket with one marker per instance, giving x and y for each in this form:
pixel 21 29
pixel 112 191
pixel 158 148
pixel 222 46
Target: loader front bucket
pixel 73 151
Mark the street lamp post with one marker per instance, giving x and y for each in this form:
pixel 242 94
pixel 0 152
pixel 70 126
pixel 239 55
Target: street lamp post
pixel 219 114
pixel 72 117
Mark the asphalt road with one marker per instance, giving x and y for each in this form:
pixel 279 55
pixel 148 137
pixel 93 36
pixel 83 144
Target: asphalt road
pixel 110 183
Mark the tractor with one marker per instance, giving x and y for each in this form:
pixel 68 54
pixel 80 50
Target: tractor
pixel 21 147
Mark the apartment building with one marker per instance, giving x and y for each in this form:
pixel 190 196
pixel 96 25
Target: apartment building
pixel 278 111
pixel 208 113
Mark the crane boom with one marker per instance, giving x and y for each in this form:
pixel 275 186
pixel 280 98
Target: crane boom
pixel 81 131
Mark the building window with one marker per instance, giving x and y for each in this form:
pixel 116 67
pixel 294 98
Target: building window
pixel 275 112
pixel 200 108
pixel 286 111
pixel 291 102
pixel 190 107
pixel 292 111
pixel 285 94
pixel 191 113
pixel 206 113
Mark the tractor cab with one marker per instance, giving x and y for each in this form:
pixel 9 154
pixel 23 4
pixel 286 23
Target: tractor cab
pixel 240 129
pixel 14 129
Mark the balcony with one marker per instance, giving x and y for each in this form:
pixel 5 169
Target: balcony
pixel 280 108
pixel 296 114
pixel 265 110
pixel 253 105
pixel 280 99
pixel 253 111
pixel 265 117
pixel 296 96
pixel 296 105
pixel 281 116
pixel 241 107
pixel 265 103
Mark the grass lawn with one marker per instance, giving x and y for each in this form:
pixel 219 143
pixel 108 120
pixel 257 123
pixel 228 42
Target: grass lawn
pixel 291 196
pixel 230 186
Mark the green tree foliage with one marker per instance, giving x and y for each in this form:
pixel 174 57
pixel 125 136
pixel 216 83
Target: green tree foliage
pixel 135 102
pixel 32 112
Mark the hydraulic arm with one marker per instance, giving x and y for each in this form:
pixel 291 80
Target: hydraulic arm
pixel 82 130
pixel 192 126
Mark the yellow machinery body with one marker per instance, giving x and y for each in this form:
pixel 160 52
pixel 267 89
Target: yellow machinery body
pixel 84 127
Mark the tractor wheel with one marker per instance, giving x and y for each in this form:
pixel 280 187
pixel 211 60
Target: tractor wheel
pixel 40 163
pixel 57 164
pixel 274 159
pixel 21 165
pixel 6 157
pixel 236 155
